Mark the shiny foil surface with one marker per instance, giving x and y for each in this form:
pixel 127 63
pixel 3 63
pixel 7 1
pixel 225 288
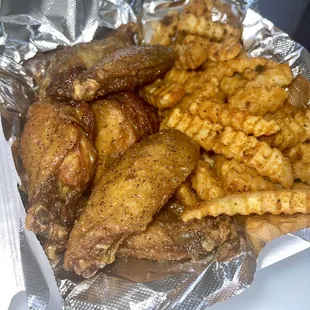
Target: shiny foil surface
pixel 29 26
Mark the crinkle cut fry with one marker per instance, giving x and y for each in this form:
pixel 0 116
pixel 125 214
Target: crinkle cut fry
pixel 233 117
pixel 275 202
pixel 267 161
pixel 205 183
pixel 237 177
pixel 189 23
pixel 294 129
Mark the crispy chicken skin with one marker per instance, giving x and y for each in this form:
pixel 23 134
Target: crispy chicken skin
pixel 122 119
pixel 123 69
pixel 167 237
pixel 127 197
pixel 67 64
pixel 59 159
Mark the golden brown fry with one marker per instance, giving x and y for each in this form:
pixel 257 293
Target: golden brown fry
pixel 237 177
pixel 162 95
pixel 192 52
pixel 202 26
pixel 258 155
pixel 235 118
pixel 166 29
pixel 300 158
pixel 229 68
pixel 185 195
pixel 264 93
pixel 275 202
pixel 230 84
pixel 205 182
pixel 226 50
pixel 294 129
pixel 127 197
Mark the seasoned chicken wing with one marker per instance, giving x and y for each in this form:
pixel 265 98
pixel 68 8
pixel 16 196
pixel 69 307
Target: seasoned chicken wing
pixel 167 237
pixel 122 119
pixel 67 64
pixel 127 197
pixel 59 158
pixel 123 69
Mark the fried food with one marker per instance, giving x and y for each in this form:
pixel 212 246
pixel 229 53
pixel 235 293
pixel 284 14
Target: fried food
pixel 169 238
pixel 166 29
pixel 162 95
pixel 127 197
pixel 230 84
pixel 237 177
pixel 59 158
pixel 192 52
pixel 205 182
pixel 275 202
pixel 235 118
pixel 123 69
pixel 122 119
pixel 191 24
pixel 267 161
pixel 294 129
pixel 299 156
pixel 226 50
pixel 69 63
pixel 185 195
pixel 265 93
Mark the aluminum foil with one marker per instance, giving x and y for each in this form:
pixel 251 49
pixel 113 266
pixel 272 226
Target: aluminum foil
pixel 30 26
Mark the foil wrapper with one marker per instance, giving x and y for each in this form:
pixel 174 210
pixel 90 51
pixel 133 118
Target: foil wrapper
pixel 31 26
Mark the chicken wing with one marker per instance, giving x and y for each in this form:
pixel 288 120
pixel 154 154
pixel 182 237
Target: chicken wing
pixel 169 238
pixel 59 158
pixel 127 197
pixel 122 119
pixel 123 69
pixel 67 64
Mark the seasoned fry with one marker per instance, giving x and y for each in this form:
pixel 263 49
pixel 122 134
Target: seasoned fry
pixel 166 29
pixel 300 158
pixel 235 118
pixel 294 129
pixel 192 52
pixel 205 182
pixel 267 161
pixel 230 84
pixel 229 49
pixel 202 26
pixel 185 195
pixel 162 95
pixel 275 202
pixel 264 93
pixel 237 177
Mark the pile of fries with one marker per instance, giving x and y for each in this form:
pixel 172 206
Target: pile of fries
pixel 255 150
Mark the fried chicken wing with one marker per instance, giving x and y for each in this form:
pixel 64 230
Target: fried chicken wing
pixel 69 63
pixel 169 238
pixel 122 119
pixel 127 197
pixel 123 69
pixel 59 158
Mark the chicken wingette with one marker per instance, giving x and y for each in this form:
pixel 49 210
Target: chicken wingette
pixel 122 119
pixel 127 197
pixel 167 237
pixel 59 157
